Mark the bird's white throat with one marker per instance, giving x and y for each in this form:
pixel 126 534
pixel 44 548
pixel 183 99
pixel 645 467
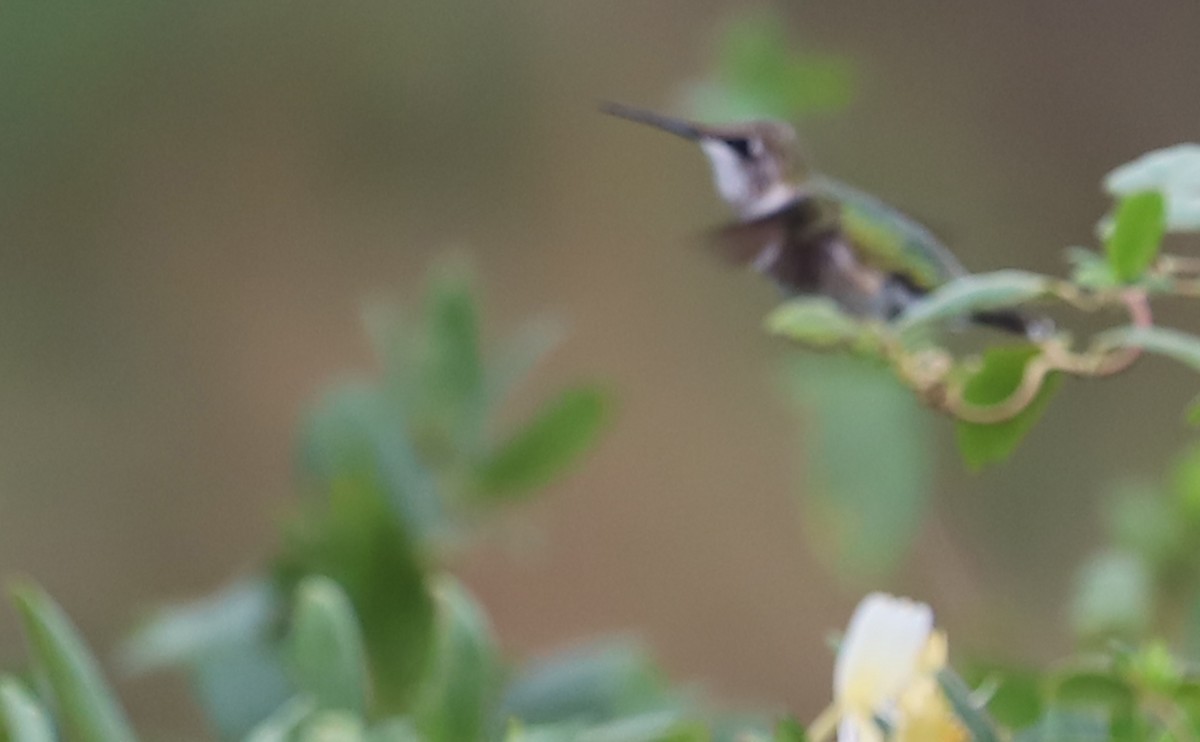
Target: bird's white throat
pixel 735 183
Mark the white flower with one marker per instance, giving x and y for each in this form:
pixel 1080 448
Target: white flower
pixel 886 670
pixel 880 653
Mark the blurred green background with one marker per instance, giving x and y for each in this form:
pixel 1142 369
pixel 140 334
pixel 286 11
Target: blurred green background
pixel 196 198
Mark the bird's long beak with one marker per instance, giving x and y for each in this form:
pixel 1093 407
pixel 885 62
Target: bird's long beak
pixel 675 126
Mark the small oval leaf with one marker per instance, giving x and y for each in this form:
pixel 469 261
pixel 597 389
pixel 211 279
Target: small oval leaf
pixel 815 322
pixel 1172 171
pixel 1002 373
pixel 556 437
pixel 1137 234
pixel 974 293
pixel 458 693
pixel 326 648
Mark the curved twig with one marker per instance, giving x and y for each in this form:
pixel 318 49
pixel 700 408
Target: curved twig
pixel 932 382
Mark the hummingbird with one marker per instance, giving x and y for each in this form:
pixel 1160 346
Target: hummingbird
pixel 813 235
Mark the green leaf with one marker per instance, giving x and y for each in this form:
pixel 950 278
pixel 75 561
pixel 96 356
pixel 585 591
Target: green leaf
pixel 557 436
pixel 397 729
pixel 1113 598
pixel 332 726
pixel 1002 372
pixel 1142 521
pixel 1172 171
pixel 326 648
pixel 1068 725
pixel 661 726
pixel 974 293
pixel 789 730
pixel 1015 700
pixel 1136 235
pixel 1173 344
pixel 178 634
pixel 868 463
pixel 357 433
pixel 974 719
pixel 588 684
pixel 452 383
pixel 759 74
pixel 816 322
pixel 1185 485
pixel 86 704
pixel 1093 688
pixel 518 732
pixel 459 692
pixel 1192 414
pixel 1090 269
pixel 21 716
pixel 518 356
pixel 239 683
pixel 355 539
pixel 282 725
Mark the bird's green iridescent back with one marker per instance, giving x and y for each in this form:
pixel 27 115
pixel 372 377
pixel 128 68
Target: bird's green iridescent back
pixel 887 239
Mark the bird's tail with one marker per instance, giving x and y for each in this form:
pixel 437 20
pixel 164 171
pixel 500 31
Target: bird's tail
pixel 1019 323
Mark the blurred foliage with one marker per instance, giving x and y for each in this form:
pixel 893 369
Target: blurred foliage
pixel 864 516
pixel 759 73
pixel 355 631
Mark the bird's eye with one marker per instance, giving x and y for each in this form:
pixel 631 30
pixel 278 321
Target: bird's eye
pixel 741 146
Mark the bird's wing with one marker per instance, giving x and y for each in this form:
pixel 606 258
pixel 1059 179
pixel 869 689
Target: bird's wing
pixel 789 245
pixel 887 239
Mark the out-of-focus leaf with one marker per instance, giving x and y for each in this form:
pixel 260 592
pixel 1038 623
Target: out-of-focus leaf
pixel 517 357
pixel 789 730
pixel 452 393
pixel 332 726
pixel 1185 484
pixel 1015 700
pixel 1173 344
pixel 660 726
pixel 1172 171
pixel 179 633
pixel 1142 522
pixel 973 718
pixel 1192 414
pixel 282 725
pixel 399 729
pixel 1001 375
pixel 22 718
pixel 1136 234
pixel 1090 269
pixel 356 433
pixel 326 650
pixel 1113 597
pixel 1093 688
pixel 86 705
pixel 1154 669
pixel 1067 725
pixel 458 695
pixel 354 538
pixel 238 684
pixel 759 74
pixel 868 462
pixel 558 434
pixel 815 322
pixel 974 293
pixel 568 732
pixel 587 685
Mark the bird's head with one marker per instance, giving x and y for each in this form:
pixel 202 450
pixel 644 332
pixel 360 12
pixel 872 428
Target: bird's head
pixel 754 164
